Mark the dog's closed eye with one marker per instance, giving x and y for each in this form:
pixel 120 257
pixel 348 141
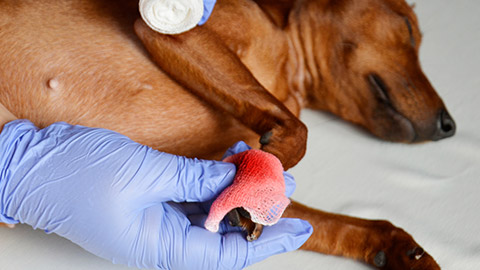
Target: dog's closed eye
pixel 413 42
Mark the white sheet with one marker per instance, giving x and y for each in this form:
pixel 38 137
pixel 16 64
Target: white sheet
pixel 431 190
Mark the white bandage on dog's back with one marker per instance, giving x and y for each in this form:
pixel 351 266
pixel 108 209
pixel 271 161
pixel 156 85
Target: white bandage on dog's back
pixel 171 16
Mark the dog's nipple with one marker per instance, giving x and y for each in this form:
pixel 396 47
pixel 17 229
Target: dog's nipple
pixel 147 86
pixel 53 84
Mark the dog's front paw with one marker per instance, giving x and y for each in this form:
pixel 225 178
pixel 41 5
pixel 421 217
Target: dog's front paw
pixel 394 249
pixel 287 142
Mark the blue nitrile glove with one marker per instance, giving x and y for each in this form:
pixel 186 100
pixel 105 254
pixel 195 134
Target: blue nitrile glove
pixel 208 6
pixel 124 201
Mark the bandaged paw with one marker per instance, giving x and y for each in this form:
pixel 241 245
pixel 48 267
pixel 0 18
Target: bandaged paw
pixel 171 16
pixel 258 187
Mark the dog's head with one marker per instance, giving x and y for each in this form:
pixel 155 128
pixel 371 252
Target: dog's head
pixel 361 57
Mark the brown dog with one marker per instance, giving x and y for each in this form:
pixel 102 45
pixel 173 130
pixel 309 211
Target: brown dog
pixel 251 68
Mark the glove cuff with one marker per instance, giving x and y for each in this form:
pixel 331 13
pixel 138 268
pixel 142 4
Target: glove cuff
pixel 10 136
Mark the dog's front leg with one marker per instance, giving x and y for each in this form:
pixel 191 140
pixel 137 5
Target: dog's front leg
pixel 376 242
pixel 200 62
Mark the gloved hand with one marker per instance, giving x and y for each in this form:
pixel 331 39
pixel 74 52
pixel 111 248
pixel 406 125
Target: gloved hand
pixel 124 201
pixel 208 6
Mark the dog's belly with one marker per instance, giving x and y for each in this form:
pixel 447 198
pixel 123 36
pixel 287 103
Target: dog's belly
pixel 89 68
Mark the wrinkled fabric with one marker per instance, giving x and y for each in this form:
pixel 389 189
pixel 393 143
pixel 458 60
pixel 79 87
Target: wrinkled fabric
pixel 124 201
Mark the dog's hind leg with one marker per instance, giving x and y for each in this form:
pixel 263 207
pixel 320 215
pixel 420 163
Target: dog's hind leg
pixel 375 242
pixel 199 61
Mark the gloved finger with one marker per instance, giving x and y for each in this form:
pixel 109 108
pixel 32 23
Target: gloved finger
pixel 200 180
pixel 208 6
pixel 209 250
pixel 287 235
pixel 202 249
pixel 290 184
pixel 238 147
pixel 209 196
pixel 161 177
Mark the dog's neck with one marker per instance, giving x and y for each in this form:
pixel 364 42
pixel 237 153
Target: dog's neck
pixel 311 38
pixel 303 69
pixel 298 68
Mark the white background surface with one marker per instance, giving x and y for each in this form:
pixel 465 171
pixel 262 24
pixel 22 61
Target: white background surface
pixel 431 190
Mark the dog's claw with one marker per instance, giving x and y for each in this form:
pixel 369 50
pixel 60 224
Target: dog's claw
pixel 265 139
pixel 251 237
pixel 397 250
pixel 416 253
pixel 233 218
pixel 380 259
pixel 239 217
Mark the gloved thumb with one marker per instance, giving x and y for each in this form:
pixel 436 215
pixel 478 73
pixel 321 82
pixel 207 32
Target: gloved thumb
pixel 232 251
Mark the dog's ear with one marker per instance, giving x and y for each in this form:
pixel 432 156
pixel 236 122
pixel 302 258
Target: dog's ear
pixel 277 10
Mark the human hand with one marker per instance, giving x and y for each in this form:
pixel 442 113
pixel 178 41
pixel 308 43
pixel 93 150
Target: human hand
pixel 208 6
pixel 124 201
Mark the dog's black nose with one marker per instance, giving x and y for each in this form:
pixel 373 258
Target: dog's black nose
pixel 445 126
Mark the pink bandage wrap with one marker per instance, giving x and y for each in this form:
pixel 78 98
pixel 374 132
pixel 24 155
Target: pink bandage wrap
pixel 258 187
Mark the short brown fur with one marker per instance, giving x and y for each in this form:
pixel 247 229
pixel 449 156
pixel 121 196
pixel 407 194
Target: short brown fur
pixel 247 72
